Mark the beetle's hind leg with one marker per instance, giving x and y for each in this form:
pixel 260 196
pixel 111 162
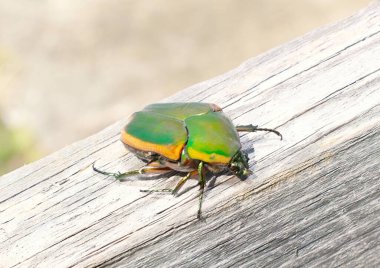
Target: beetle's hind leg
pixel 252 128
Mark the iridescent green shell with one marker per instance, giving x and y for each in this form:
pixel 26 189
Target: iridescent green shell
pixel 154 132
pixel 166 128
pixel 212 138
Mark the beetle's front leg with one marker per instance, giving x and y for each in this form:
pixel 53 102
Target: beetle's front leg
pixel 252 128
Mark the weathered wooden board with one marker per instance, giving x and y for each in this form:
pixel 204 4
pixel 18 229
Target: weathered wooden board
pixel 314 198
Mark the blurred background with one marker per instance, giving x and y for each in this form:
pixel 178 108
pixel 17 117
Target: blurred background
pixel 70 68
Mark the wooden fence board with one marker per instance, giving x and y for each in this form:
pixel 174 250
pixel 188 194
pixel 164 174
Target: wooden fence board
pixel 313 200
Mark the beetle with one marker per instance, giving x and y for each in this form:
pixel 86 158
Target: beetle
pixel 186 137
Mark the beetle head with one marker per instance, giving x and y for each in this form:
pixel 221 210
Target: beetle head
pixel 239 165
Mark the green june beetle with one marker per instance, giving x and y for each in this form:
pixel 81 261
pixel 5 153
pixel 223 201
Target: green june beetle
pixel 186 137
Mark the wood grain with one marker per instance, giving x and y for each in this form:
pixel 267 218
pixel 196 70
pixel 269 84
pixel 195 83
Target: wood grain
pixel 314 198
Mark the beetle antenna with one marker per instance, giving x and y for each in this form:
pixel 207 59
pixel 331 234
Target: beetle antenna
pixel 118 175
pixel 252 128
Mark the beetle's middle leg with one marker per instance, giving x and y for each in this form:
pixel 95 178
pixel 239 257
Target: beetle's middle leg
pixel 252 128
pixel 176 188
pixel 151 168
pixel 202 182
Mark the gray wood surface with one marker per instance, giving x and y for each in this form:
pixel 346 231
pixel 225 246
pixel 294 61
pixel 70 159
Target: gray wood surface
pixel 313 201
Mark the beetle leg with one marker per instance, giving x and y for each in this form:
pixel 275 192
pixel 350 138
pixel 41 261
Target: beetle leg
pixel 144 170
pixel 252 128
pixel 182 181
pixel 202 182
pixel 118 175
pixel 176 188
